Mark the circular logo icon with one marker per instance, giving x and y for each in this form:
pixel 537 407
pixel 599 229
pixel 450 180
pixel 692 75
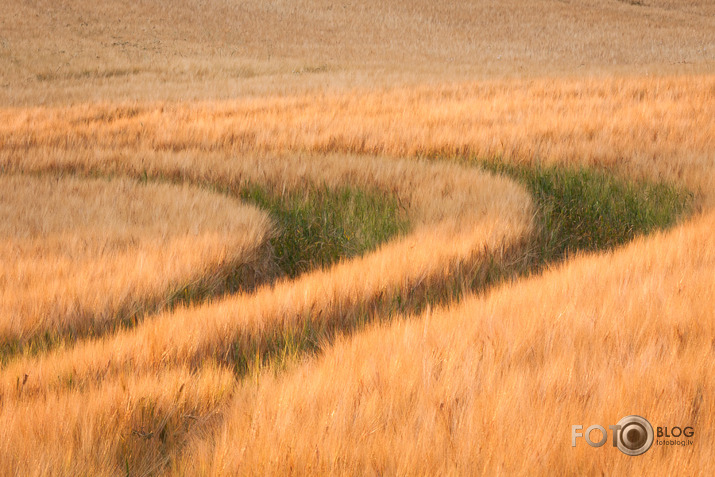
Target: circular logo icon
pixel 635 435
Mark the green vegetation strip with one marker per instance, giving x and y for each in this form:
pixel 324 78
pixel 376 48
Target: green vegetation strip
pixel 319 226
pixel 578 209
pixel 582 209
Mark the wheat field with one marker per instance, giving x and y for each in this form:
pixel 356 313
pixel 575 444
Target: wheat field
pixel 147 329
pixel 149 238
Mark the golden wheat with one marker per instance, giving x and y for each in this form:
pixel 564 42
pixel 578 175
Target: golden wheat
pixel 461 217
pixel 135 418
pixel 184 152
pixel 661 128
pixel 111 50
pixel 81 255
pixel 223 94
pixel 493 385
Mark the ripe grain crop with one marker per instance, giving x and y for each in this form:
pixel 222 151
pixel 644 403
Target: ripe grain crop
pixel 190 50
pixel 204 144
pixel 590 341
pixel 81 256
pixel 339 369
pixel 461 220
pixel 135 418
pixel 634 126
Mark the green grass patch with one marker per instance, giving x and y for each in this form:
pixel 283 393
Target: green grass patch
pixel 582 209
pixel 319 226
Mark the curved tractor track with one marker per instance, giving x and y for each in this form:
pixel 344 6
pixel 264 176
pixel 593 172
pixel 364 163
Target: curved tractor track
pixel 163 395
pixel 168 342
pixel 463 220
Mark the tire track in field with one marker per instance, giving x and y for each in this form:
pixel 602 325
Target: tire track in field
pixel 463 219
pixel 468 218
